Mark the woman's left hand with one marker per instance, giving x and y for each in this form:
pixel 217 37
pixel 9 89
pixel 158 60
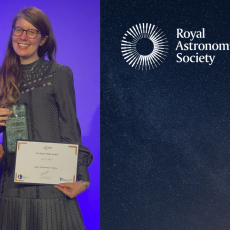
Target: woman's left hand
pixel 72 189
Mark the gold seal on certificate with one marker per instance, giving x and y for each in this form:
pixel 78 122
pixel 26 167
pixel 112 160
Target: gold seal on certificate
pixel 16 126
pixel 45 163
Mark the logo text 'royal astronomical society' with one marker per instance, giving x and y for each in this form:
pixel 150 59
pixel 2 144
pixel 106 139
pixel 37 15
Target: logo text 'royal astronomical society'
pixel 144 46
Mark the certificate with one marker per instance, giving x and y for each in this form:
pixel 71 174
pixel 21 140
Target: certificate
pixel 45 162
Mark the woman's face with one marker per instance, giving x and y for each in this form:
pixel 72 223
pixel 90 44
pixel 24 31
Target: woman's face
pixel 26 48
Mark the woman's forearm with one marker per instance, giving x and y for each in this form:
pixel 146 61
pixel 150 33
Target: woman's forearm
pixel 1 153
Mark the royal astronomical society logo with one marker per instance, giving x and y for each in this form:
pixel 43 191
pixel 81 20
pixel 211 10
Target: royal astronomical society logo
pixel 19 176
pixel 144 46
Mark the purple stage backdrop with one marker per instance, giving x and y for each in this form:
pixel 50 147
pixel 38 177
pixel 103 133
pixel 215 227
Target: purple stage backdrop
pixel 76 26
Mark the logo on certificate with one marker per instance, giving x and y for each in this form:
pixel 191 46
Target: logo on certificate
pixel 19 176
pixel 66 180
pixel 144 46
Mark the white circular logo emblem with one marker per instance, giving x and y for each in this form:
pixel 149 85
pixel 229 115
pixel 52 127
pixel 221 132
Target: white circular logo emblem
pixel 144 46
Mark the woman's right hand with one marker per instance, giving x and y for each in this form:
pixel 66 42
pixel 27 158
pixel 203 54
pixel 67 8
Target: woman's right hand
pixel 4 113
pixel 1 152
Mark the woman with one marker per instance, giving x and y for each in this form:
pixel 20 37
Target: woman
pixel 46 88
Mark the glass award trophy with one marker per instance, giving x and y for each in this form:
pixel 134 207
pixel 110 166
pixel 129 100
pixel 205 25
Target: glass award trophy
pixel 16 126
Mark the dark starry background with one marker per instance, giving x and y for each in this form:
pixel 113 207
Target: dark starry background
pixel 165 149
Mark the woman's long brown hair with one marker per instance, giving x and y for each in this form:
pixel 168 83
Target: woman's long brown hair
pixel 10 72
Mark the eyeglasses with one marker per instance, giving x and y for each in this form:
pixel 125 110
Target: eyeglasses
pixel 30 33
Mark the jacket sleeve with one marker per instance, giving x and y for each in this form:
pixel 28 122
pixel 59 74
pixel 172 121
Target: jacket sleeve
pixel 2 128
pixel 70 129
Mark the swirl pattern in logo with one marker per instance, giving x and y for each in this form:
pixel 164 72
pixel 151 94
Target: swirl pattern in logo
pixel 148 32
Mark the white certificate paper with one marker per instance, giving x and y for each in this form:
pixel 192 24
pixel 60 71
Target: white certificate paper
pixel 45 163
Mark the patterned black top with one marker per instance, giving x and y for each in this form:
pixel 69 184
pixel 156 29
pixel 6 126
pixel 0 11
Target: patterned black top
pixel 48 93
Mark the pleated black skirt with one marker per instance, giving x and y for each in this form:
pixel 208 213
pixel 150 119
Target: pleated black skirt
pixel 40 214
